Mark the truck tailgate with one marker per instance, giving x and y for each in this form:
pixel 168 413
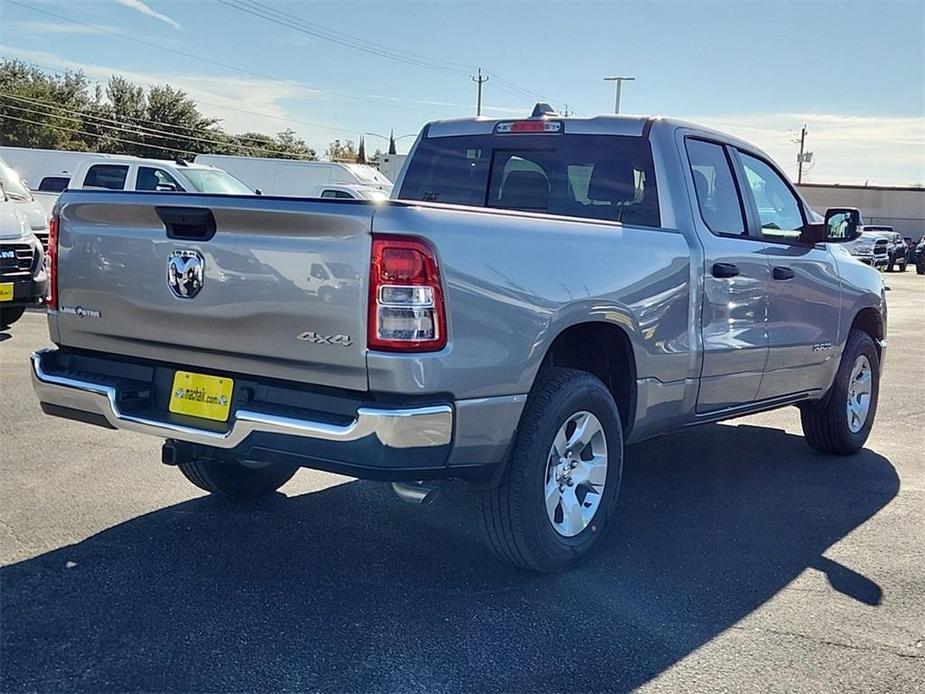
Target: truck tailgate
pixel 274 287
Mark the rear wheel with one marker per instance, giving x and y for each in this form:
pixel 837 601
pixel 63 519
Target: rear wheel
pixel 560 487
pixel 920 265
pixel 8 316
pixel 237 479
pixel 842 422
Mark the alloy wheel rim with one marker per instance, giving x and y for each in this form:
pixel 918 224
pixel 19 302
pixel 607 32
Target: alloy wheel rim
pixel 859 394
pixel 576 472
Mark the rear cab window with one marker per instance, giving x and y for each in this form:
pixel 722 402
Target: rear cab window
pixel 605 177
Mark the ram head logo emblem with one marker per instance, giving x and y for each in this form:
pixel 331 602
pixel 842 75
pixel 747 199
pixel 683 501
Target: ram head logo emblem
pixel 185 273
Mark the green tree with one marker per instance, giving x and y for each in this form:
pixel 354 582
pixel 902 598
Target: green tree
pixel 63 112
pixel 341 151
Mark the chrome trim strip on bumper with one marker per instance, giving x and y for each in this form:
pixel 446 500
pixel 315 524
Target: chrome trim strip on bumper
pixel 401 428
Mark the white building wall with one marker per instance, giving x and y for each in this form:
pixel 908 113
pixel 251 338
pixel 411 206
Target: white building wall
pixel 901 208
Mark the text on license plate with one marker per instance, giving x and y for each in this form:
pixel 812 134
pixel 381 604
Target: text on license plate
pixel 198 395
pixel 6 291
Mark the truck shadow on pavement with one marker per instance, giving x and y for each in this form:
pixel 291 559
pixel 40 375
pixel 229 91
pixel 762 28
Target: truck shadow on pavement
pixel 350 589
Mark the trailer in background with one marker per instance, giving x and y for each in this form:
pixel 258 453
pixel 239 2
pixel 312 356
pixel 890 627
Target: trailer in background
pixel 299 178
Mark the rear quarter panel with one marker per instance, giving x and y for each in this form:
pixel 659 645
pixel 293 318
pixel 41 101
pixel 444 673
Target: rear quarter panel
pixel 514 281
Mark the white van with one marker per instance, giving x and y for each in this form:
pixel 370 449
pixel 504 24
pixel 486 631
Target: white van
pixel 135 173
pixel 314 179
pixel 46 169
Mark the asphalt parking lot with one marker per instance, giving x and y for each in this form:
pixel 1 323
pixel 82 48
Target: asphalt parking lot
pixel 742 561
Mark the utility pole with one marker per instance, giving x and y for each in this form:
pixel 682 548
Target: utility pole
pixel 618 87
pixel 801 157
pixel 479 81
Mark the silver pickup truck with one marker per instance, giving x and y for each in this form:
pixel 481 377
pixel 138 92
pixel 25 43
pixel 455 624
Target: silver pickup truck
pixel 541 293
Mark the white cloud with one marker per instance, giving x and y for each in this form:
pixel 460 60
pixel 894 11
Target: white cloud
pixel 139 6
pixel 62 28
pixel 883 150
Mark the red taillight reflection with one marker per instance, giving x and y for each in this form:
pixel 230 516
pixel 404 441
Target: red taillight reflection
pixel 52 298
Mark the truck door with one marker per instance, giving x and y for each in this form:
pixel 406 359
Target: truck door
pixel 803 299
pixel 736 279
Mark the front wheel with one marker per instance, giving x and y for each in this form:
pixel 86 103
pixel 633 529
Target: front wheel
pixel 237 479
pixel 560 487
pixel 842 422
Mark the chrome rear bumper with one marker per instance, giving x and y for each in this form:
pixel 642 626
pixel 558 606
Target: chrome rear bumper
pixel 413 427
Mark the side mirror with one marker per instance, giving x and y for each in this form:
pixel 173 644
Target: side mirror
pixel 258 191
pixel 842 224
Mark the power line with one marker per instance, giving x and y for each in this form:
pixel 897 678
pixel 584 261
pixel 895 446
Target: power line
pixel 323 126
pixel 127 127
pixel 289 20
pixel 380 101
pixel 292 21
pixel 74 131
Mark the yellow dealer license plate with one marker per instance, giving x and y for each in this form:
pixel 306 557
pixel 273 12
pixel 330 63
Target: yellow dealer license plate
pixel 198 395
pixel 6 291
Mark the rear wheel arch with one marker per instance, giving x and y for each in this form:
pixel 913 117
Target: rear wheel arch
pixel 604 350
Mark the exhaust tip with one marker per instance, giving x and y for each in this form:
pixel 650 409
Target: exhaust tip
pixel 417 493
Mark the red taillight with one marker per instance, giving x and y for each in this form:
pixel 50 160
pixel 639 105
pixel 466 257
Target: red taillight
pixel 406 312
pixel 52 258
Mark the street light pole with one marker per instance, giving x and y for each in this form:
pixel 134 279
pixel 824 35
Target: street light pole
pixel 618 88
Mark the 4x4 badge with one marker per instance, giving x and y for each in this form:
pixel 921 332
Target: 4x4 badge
pixel 319 339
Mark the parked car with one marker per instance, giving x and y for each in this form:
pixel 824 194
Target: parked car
pixel 896 246
pixel 23 279
pixel 314 179
pixel 871 248
pixel 919 258
pixel 543 292
pixel 16 192
pixel 134 173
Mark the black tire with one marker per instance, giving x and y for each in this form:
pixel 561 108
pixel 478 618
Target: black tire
pixel 920 266
pixel 825 424
pixel 514 513
pixel 231 478
pixel 8 316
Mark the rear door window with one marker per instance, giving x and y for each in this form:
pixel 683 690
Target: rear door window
pixel 717 194
pixel 111 176
pixel 53 184
pixel 604 177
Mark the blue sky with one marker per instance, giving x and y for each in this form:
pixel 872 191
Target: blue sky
pixel 853 71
